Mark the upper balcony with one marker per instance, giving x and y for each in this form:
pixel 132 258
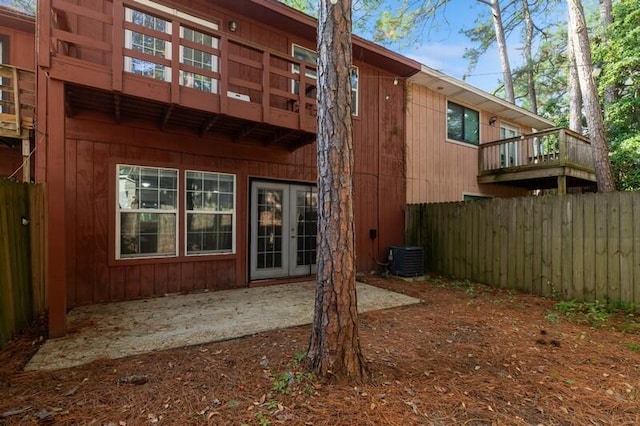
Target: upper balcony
pixel 553 158
pixel 143 60
pixel 17 100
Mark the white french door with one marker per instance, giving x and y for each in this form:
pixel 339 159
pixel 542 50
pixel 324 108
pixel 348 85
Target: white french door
pixel 283 229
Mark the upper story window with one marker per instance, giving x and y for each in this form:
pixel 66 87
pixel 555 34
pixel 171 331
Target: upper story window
pixel 311 56
pixel 147 44
pixel 463 124
pixel 199 59
pixel 197 49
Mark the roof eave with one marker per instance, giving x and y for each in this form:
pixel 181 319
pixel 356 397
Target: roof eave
pixel 469 95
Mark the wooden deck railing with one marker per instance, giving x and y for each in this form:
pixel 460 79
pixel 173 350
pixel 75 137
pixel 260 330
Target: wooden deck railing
pixel 553 147
pixel 146 49
pixel 17 101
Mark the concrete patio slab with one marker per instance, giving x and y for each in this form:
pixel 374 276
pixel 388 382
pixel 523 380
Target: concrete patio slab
pixel 117 330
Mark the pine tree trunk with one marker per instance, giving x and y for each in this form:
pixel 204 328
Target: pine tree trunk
pixel 531 82
pixel 606 18
pixel 582 51
pixel 334 347
pixel 575 96
pixel 502 48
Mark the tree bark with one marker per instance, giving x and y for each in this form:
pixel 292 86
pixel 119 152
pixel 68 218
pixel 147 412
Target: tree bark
pixel 334 347
pixel 575 96
pixel 531 82
pixel 502 48
pixel 606 18
pixel 582 51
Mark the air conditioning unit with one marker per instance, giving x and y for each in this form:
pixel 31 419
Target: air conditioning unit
pixel 238 96
pixel 406 261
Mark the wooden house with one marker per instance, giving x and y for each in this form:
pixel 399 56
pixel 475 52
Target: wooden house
pixel 17 92
pixel 179 147
pixel 177 141
pixel 465 144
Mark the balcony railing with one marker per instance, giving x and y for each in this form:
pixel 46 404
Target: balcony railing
pixel 17 101
pixel 550 148
pixel 144 49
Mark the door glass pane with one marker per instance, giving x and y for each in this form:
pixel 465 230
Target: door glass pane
pixel 306 224
pixel 269 231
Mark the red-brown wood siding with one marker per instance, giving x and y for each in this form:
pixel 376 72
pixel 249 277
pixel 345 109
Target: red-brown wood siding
pixel 95 144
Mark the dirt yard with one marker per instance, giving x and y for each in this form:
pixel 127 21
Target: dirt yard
pixel 469 355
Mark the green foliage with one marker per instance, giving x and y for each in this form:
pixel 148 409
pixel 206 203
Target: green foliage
pixel 262 420
pixel 594 312
pixel 635 347
pixel 619 58
pixel 598 313
pixel 625 160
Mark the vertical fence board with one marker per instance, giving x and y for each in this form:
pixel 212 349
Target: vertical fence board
pixel 513 240
pixel 546 239
pixel 520 246
pixel 636 248
pixel 601 265
pixel 556 246
pixel 7 318
pixel 613 246
pixel 22 236
pixel 577 277
pixel 566 247
pixel 589 265
pixel 496 219
pixel 528 248
pixel 533 245
pixel 626 247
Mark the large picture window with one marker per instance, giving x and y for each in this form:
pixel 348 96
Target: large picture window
pixel 463 124
pixel 146 212
pixel 210 213
pixel 310 56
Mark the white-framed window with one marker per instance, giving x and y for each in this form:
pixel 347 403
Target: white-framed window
pixel 146 212
pixel 199 59
pixel 311 56
pixel 210 213
pixel 147 44
pixel 463 124
pixel 509 154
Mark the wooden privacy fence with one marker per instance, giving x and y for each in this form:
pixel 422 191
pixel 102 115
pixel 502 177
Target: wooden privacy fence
pixel 22 267
pixel 583 247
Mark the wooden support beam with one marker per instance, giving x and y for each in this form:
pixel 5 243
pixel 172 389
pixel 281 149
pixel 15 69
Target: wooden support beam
pixel 26 160
pixel 562 185
pixel 278 137
pixel 56 207
pixel 167 115
pixel 69 110
pixel 302 141
pixel 116 107
pixel 209 124
pixel 245 131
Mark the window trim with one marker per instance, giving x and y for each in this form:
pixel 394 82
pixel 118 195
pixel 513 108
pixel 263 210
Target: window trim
pixel 504 149
pixel 462 142
pixel 113 245
pixel 117 229
pixel 234 215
